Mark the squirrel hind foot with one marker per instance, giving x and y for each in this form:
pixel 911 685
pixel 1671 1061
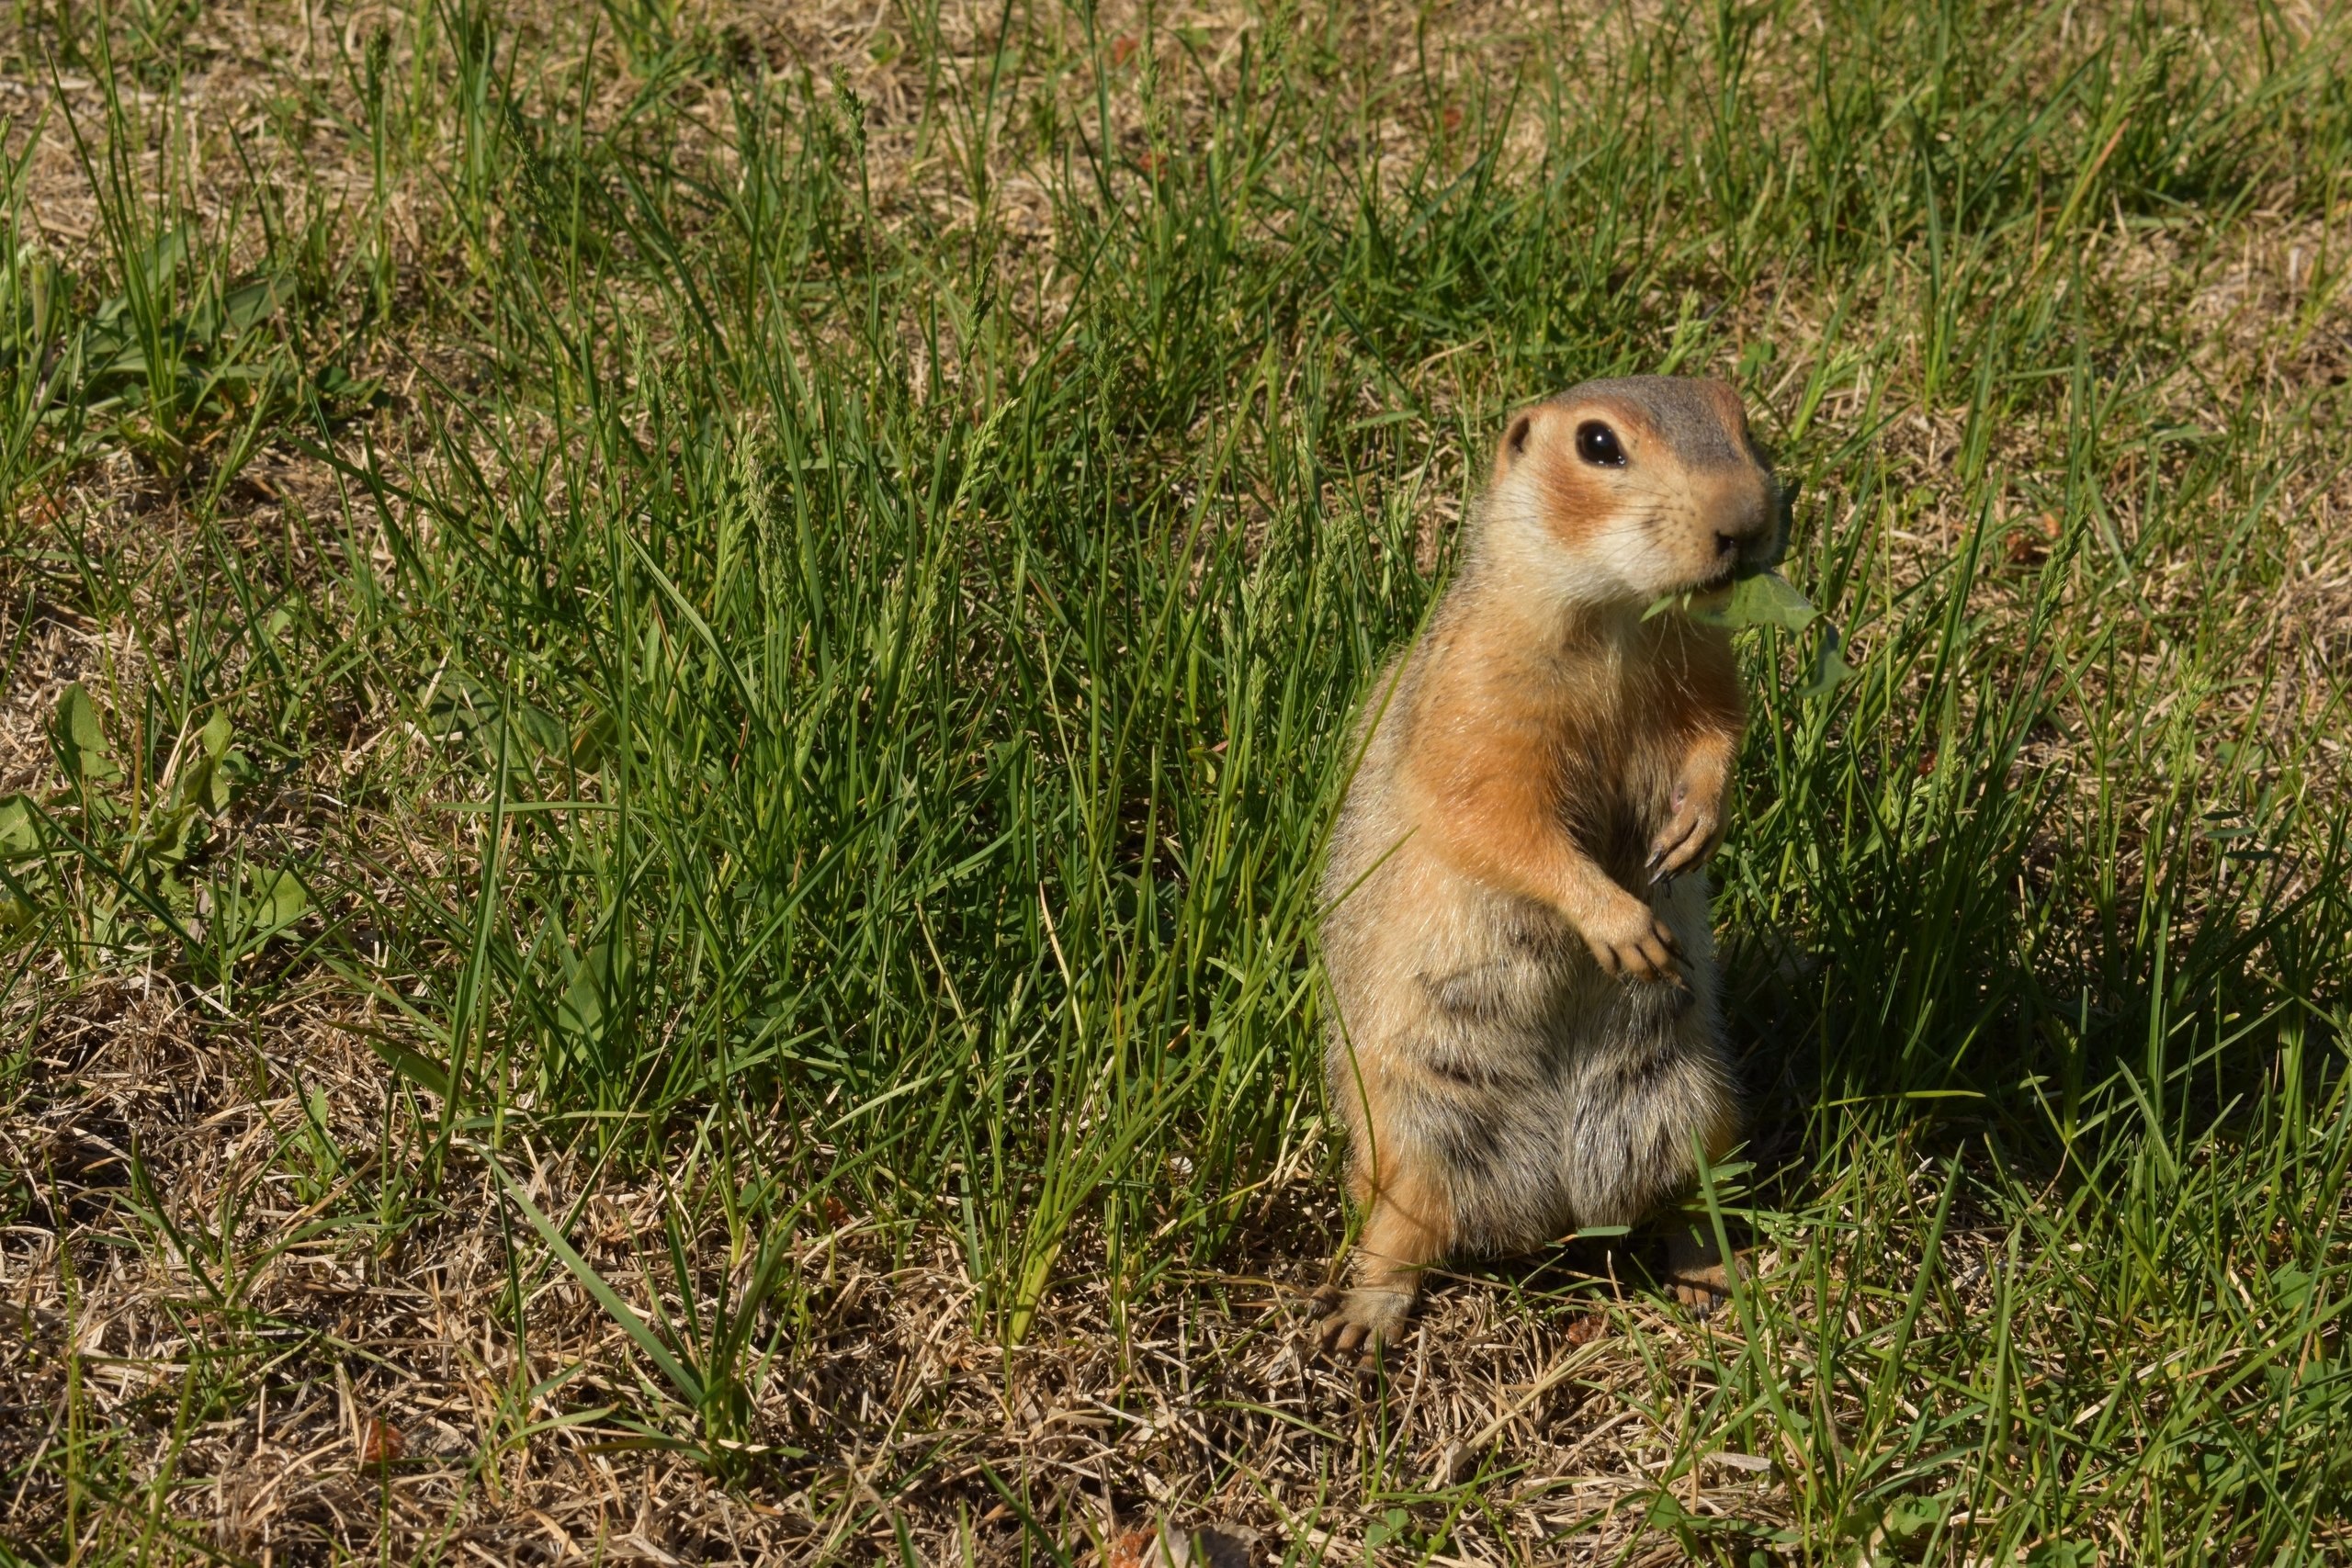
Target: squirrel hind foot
pixel 1696 1273
pixel 1359 1322
pixel 1699 1297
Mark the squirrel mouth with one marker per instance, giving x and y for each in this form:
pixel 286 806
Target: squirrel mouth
pixel 1711 594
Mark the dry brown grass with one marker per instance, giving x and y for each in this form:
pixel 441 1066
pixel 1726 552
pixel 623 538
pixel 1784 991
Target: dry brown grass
pixel 417 1391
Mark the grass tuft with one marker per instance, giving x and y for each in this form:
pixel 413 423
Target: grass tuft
pixel 675 672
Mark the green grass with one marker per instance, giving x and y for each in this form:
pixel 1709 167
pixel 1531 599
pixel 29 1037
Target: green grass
pixel 711 703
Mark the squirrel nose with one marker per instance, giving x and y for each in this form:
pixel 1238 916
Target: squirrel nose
pixel 1744 513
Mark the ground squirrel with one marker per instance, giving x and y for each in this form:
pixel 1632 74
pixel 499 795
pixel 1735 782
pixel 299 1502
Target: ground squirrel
pixel 1525 1038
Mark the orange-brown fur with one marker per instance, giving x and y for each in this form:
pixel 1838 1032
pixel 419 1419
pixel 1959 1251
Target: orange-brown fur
pixel 1525 1036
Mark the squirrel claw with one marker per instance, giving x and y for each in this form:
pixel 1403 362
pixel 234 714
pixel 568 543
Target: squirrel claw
pixel 1359 1322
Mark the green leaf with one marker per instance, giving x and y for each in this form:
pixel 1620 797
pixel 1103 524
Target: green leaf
pixel 278 900
pixel 338 386
pixel 581 1013
pixel 2062 1554
pixel 542 729
pixel 2293 1288
pixel 1389 1526
pixel 19 828
pixel 1767 599
pixel 592 740
pixel 1830 669
pixel 172 834
pixel 1761 599
pixel 243 308
pixel 410 1062
pixel 191 783
pixel 160 260
pixel 201 782
pixel 262 907
pixel 1910 1521
pixel 81 742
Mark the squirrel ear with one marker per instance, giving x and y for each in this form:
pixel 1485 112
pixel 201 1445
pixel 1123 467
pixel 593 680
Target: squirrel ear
pixel 1514 445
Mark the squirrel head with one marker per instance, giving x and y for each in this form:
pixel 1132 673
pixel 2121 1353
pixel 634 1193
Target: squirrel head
pixel 1622 491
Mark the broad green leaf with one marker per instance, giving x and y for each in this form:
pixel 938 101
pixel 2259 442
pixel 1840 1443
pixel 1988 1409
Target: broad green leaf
pixel 243 308
pixel 173 833
pixel 1761 599
pixel 160 261
pixel 278 900
pixel 2062 1554
pixel 544 732
pixel 77 719
pixel 19 828
pixel 592 740
pixel 337 385
pixel 1830 669
pixel 81 741
pixel 1911 1521
pixel 1766 599
pixel 49 288
pixel 191 781
pixel 581 1013
pixel 412 1065
pixel 202 781
pixel 420 1069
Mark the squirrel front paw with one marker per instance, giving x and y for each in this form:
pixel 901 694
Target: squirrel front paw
pixel 1628 939
pixel 1693 824
pixel 1359 1322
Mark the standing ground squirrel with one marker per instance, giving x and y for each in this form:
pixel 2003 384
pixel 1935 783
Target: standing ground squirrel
pixel 1526 1037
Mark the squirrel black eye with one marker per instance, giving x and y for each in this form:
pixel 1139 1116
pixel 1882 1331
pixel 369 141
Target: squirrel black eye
pixel 1595 443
